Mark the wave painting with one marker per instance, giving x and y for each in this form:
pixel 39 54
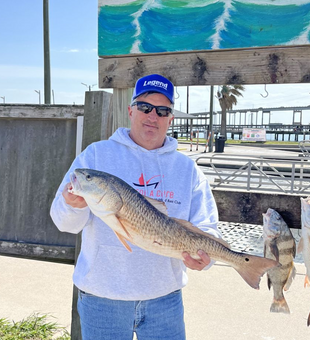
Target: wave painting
pixel 153 26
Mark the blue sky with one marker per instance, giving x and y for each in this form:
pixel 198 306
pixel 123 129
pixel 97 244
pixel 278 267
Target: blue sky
pixel 74 60
pixel 73 49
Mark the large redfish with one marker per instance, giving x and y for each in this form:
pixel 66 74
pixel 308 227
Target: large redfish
pixel 145 223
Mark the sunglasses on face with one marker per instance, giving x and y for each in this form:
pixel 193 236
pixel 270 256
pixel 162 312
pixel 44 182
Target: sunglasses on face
pixel 162 111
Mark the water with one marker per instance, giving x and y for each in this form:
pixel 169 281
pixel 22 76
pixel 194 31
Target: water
pixel 154 26
pixel 269 137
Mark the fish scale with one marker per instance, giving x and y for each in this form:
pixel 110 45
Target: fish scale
pixel 145 223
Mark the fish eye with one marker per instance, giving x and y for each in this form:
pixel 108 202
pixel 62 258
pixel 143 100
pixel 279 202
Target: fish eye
pixel 88 177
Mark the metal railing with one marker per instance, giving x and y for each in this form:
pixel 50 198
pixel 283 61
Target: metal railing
pixel 289 175
pixel 304 146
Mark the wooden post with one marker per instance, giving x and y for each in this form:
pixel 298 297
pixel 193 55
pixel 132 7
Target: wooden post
pixel 207 142
pixel 98 125
pixel 121 100
pixel 210 140
pixel 103 114
pixel 197 139
pixel 191 138
pixel 47 63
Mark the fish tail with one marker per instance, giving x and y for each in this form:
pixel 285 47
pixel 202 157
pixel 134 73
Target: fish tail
pixel 280 306
pixel 253 268
pixel 307 281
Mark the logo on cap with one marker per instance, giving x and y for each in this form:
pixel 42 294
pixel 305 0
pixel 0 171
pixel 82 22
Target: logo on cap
pixel 156 83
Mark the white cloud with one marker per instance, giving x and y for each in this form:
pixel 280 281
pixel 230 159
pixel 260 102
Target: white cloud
pixel 75 50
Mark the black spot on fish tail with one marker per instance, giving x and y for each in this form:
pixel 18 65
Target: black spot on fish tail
pixel 253 268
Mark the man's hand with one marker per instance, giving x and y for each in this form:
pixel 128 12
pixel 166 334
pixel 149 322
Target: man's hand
pixel 71 199
pixel 196 264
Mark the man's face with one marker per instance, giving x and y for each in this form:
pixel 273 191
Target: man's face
pixel 149 130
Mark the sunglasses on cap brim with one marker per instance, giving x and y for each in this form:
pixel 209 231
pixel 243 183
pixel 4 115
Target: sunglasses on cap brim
pixel 162 111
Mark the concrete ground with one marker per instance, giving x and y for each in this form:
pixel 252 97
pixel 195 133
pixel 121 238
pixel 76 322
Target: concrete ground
pixel 219 305
pixel 238 150
pixel 30 286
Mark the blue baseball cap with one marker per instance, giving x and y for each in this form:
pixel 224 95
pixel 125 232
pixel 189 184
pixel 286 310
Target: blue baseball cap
pixel 154 83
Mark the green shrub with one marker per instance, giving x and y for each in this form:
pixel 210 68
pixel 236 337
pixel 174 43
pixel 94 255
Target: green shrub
pixel 35 327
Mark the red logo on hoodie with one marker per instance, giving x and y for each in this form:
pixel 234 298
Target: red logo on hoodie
pixel 158 194
pixel 153 181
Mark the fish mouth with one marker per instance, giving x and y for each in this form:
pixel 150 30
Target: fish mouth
pixel 75 185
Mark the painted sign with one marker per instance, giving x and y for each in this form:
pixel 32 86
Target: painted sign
pixel 153 26
pixel 253 135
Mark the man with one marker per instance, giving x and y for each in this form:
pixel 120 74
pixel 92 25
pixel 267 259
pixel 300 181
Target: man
pixel 120 292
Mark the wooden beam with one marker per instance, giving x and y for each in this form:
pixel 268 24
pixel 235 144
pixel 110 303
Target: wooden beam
pixel 268 65
pixel 248 207
pixel 32 111
pixel 38 251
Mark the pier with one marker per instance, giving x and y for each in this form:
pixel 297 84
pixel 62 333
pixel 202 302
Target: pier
pixel 294 133
pixel 260 118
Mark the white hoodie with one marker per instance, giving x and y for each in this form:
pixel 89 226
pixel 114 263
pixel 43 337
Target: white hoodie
pixel 104 267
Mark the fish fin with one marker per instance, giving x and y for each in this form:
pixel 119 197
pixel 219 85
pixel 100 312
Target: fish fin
pixel 300 245
pixel 274 250
pixel 253 268
pixel 123 241
pixel 290 278
pixel 269 283
pixel 307 282
pixel 115 224
pixel 308 321
pixel 279 306
pixel 128 226
pixel 188 225
pixel 294 248
pixel 161 206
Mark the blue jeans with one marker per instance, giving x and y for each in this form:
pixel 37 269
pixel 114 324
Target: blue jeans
pixel 156 319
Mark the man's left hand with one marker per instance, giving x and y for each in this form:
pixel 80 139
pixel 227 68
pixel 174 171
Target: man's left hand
pixel 196 264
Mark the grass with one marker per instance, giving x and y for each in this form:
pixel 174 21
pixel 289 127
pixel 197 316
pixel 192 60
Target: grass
pixel 35 327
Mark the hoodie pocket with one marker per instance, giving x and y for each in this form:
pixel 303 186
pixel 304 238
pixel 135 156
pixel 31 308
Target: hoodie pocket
pixel 119 274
